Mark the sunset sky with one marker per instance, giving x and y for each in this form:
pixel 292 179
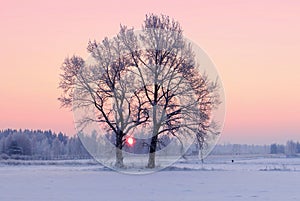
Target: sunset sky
pixel 254 44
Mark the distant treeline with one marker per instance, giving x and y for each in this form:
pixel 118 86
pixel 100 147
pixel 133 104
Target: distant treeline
pixel 46 145
pixel 291 148
pixel 40 145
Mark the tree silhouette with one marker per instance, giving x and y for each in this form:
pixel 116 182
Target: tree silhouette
pixel 148 80
pixel 102 85
pixel 180 98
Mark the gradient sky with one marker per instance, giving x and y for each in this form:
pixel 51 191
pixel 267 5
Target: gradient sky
pixel 254 44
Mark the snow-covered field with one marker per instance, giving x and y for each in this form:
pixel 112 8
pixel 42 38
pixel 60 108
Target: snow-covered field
pixel 247 178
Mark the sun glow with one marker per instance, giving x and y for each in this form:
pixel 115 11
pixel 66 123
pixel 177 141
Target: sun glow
pixel 130 141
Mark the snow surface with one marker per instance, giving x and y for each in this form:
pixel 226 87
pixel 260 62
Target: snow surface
pixel 218 179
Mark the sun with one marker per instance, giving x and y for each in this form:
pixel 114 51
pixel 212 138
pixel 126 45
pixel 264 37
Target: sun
pixel 130 141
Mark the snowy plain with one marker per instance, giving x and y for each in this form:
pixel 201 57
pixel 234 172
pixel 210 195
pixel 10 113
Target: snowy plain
pixel 218 179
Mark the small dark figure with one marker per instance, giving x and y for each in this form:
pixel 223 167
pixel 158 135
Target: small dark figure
pixel 232 160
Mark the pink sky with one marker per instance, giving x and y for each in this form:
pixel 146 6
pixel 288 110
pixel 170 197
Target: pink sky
pixel 254 44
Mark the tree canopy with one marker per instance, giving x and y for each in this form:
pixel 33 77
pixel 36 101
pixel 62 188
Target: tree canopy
pixel 142 83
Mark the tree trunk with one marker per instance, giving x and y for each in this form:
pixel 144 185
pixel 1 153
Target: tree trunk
pixel 119 153
pixel 153 144
pixel 151 160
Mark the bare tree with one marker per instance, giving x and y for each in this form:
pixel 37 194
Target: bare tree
pixel 148 79
pixel 102 84
pixel 180 99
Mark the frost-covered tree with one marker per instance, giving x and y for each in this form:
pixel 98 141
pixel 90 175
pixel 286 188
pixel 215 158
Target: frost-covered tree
pixel 298 147
pixel 103 85
pixel 179 98
pixel 39 144
pixel 1 144
pixel 148 80
pixel 290 148
pixel 57 147
pixel 273 149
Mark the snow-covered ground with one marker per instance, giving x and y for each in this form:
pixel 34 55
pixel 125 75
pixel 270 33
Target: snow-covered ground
pixel 247 178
